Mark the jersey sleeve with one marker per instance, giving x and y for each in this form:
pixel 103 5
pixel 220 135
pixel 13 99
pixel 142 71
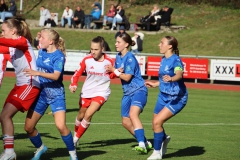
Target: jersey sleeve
pixel 130 65
pixel 59 63
pixel 78 73
pixel 4 50
pixel 178 65
pixel 20 43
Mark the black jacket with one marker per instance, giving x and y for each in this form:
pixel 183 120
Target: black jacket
pixel 165 16
pixel 3 7
pixel 80 14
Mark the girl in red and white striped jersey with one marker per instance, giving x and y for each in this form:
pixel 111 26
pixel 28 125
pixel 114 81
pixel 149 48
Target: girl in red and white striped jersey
pixel 96 88
pixel 17 41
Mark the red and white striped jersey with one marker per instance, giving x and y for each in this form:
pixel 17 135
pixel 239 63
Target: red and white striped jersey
pixel 4 58
pixel 97 82
pixel 22 56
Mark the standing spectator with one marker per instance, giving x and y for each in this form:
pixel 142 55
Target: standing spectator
pixel 50 63
pixel 3 6
pixel 109 15
pixel 173 94
pixel 10 13
pixel 118 17
pixel 135 92
pixel 165 17
pixel 17 42
pixel 121 30
pixel 44 16
pixel 36 41
pixel 78 17
pixel 96 88
pixel 94 15
pixel 67 17
pixel 138 39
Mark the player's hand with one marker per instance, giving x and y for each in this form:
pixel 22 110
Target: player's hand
pixel 167 78
pixel 120 70
pixel 72 89
pixel 149 84
pixel 30 72
pixel 109 68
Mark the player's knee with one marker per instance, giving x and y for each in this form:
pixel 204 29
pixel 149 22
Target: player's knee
pixel 29 129
pixel 61 128
pixel 157 123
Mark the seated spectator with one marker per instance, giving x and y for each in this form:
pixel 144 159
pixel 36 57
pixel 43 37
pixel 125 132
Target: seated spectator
pixel 152 17
pixel 109 15
pixel 11 11
pixel 78 17
pixel 138 39
pixel 44 16
pixel 121 30
pixel 52 21
pixel 118 17
pixel 36 40
pixel 67 17
pixel 3 7
pixel 94 15
pixel 165 14
pixel 97 3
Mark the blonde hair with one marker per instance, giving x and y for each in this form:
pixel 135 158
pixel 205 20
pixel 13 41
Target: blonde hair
pixel 57 40
pixel 21 28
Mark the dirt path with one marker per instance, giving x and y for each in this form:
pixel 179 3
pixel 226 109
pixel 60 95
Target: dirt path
pixel 189 85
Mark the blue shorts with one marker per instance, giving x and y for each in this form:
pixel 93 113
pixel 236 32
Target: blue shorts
pixel 138 99
pixel 175 105
pixel 41 105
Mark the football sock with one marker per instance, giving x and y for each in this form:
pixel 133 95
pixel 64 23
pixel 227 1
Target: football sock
pixel 68 140
pixel 139 134
pixel 8 142
pixel 82 128
pixel 158 139
pixel 76 126
pixel 36 140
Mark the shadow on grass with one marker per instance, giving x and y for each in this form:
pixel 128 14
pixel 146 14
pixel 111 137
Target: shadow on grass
pixel 52 153
pixel 73 110
pixel 109 142
pixel 25 136
pixel 189 151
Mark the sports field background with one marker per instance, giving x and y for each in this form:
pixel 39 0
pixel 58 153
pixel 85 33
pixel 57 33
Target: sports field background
pixel 207 128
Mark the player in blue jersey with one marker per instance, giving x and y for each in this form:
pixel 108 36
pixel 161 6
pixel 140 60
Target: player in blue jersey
pixel 50 63
pixel 134 90
pixel 173 94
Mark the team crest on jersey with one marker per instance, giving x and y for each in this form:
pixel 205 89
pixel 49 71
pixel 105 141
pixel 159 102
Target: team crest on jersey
pixel 166 68
pixel 46 61
pixel 128 68
pixel 60 65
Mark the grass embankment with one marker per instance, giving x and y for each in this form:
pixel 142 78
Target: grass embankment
pixel 211 31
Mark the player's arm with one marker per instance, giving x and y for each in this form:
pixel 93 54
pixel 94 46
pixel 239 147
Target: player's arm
pixel 4 49
pixel 20 43
pixel 75 77
pixel 53 76
pixel 150 84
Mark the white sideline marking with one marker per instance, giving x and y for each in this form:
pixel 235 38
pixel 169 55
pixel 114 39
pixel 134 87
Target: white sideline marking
pixel 176 124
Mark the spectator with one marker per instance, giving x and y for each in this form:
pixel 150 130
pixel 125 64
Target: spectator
pixel 118 17
pixel 67 17
pixel 121 30
pixel 10 13
pixel 3 7
pixel 52 21
pixel 94 15
pixel 152 17
pixel 110 15
pixel 138 39
pixel 44 16
pixel 97 3
pixel 78 17
pixel 165 14
pixel 36 40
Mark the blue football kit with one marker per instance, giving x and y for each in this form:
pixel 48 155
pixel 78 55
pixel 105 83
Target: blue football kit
pixel 173 95
pixel 52 91
pixel 135 92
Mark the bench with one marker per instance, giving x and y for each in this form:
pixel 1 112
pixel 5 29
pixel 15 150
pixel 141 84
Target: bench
pixel 19 16
pixel 98 24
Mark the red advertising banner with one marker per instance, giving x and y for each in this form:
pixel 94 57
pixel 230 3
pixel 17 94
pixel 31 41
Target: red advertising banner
pixel 193 68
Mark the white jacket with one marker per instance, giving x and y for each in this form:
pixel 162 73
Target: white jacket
pixel 68 14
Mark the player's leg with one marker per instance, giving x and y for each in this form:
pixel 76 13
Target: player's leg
pixel 60 121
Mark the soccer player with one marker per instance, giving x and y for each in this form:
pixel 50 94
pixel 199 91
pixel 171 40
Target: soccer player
pixel 96 88
pixel 16 41
pixel 50 63
pixel 173 94
pixel 134 90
